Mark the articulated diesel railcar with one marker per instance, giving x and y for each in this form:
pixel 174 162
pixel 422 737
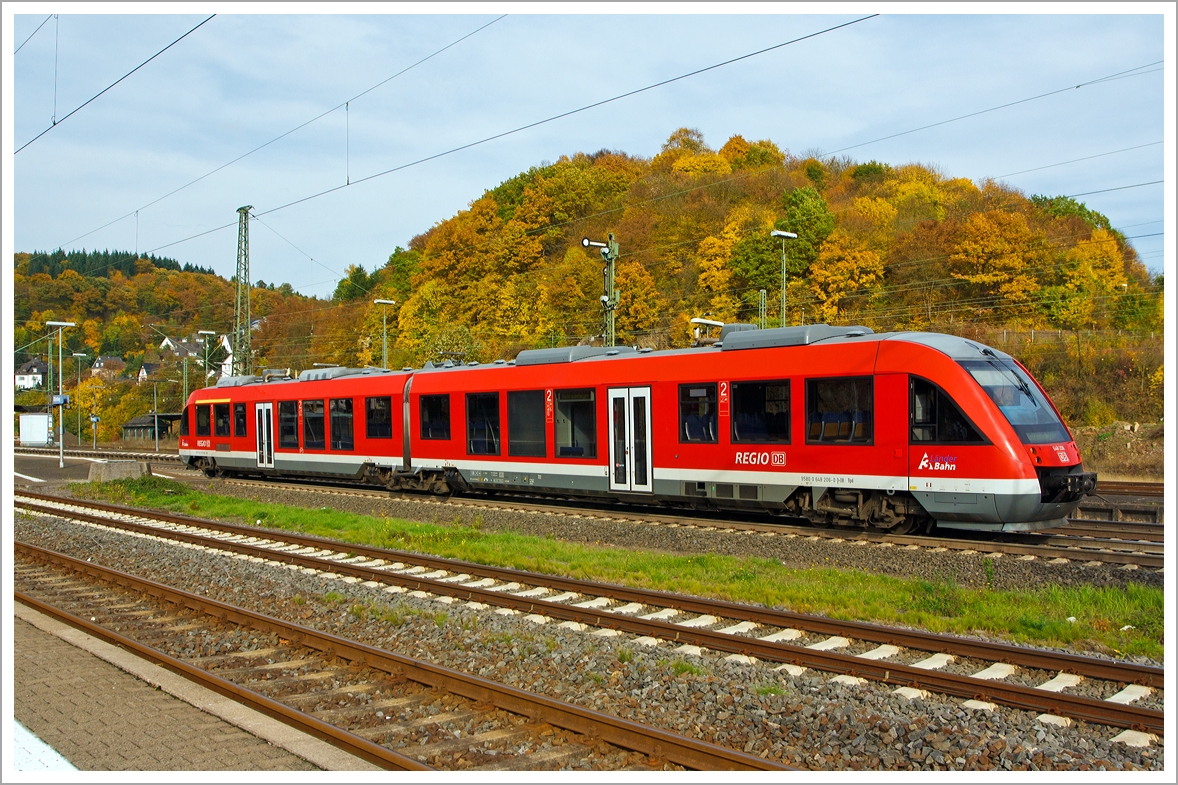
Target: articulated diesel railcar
pixel 836 425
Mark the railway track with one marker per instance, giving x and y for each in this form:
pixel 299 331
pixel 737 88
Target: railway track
pixel 1113 488
pixel 395 711
pixel 914 663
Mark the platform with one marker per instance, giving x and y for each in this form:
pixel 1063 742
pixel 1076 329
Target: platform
pixel 104 709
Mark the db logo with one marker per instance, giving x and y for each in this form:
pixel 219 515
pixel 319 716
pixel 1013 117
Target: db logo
pixel 779 459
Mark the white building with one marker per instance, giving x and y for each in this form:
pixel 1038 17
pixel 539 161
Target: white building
pixel 31 374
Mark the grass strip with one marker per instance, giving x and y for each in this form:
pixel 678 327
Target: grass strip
pixel 1119 621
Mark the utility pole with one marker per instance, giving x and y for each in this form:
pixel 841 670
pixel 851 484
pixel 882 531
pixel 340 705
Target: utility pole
pixel 206 334
pixel 60 392
pixel 609 300
pixel 78 394
pixel 761 309
pixel 243 364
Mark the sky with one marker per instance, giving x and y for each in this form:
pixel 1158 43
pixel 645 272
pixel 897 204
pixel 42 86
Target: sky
pixel 242 79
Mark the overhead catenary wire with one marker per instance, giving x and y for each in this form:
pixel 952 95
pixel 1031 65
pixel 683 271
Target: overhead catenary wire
pixel 1130 72
pixel 1085 158
pixel 22 46
pixel 57 122
pixel 528 126
pixel 1118 188
pixel 281 136
pixel 1121 74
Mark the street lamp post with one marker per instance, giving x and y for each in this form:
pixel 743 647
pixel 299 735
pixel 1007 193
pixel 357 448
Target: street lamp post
pixel 384 358
pixel 206 334
pixel 77 394
pixel 60 422
pixel 784 236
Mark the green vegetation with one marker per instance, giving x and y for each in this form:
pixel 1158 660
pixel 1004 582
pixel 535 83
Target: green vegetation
pixel 770 689
pixel 1038 617
pixel 680 666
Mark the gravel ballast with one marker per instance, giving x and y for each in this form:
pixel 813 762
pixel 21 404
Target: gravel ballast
pixel 804 721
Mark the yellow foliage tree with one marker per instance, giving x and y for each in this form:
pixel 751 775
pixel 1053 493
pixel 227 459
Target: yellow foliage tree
pixel 844 269
pixel 714 254
pixel 999 254
pixel 639 305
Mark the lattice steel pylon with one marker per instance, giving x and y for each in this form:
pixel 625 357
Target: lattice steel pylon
pixel 243 364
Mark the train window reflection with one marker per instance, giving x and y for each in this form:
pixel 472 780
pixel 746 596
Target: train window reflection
pixel 760 412
pixel 288 424
pixel 340 410
pixel 1020 400
pixel 220 419
pixel 239 421
pixel 313 435
pixel 697 413
pixel 378 422
pixel 435 416
pixel 839 410
pixel 204 424
pixel 482 423
pixel 576 424
pixel 936 418
pixel 525 424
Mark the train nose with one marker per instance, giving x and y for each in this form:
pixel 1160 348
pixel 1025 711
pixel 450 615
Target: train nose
pixel 1061 485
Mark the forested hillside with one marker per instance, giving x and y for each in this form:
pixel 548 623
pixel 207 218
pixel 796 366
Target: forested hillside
pixel 893 247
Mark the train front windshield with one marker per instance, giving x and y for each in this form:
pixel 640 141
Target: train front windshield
pixel 1019 400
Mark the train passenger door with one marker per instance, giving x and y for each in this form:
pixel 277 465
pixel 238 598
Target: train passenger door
pixel 630 460
pixel 265 415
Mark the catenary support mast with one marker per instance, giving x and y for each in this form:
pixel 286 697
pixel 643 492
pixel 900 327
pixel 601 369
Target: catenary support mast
pixel 243 364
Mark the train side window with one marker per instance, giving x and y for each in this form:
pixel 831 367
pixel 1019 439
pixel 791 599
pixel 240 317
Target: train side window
pixel 935 417
pixel 697 413
pixel 288 424
pixel 203 421
pixel 525 424
pixel 435 417
pixel 342 437
pixel 220 419
pixel 839 410
pixel 760 412
pixel 184 422
pixel 576 424
pixel 378 420
pixel 239 421
pixel 482 423
pixel 313 425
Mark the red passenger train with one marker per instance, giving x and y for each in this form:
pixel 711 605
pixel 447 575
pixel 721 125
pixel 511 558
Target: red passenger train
pixel 837 425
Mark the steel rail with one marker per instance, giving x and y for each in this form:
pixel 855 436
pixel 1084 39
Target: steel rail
pixel 146 457
pixel 312 726
pixel 1130 488
pixel 655 742
pixel 998 652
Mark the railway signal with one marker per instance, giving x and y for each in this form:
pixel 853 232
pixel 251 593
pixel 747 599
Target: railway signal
pixel 609 300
